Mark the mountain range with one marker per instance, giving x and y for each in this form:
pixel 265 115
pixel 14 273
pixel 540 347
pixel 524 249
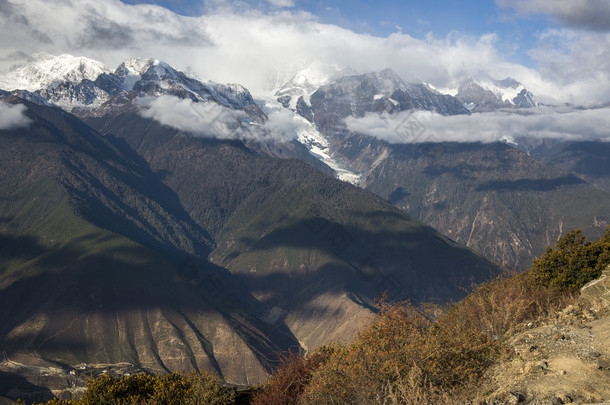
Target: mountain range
pixel 506 200
pixel 130 239
pixel 129 242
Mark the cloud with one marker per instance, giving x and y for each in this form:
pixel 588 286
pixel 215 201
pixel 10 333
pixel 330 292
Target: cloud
pixel 425 126
pixel 584 14
pixel 107 30
pixel 263 50
pixel 105 33
pixel 13 116
pixel 211 120
pixel 283 125
pixel 575 65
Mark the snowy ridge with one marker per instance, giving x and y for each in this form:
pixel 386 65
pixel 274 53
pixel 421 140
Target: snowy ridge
pixel 43 70
pixel 486 93
pixel 132 70
pixel 316 143
pixel 69 82
pixel 505 90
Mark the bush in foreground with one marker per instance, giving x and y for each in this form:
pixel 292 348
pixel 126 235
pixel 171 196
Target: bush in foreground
pixel 573 262
pixel 199 387
pixel 496 307
pixel 286 386
pixel 404 356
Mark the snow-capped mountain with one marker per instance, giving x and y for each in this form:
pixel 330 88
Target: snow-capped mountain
pixel 324 96
pixel 486 94
pixel 306 81
pixel 381 92
pixel 63 80
pixel 71 82
pixel 43 70
pixel 151 77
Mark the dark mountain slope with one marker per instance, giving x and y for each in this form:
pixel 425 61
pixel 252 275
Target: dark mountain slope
pixel 496 199
pixel 108 183
pixel 170 252
pixel 299 240
pixel 493 198
pixel 589 160
pixel 76 292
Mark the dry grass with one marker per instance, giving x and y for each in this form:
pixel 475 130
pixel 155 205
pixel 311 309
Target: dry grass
pixel 403 357
pixel 497 307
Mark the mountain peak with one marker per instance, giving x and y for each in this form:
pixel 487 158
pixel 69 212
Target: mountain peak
pixel 316 74
pixel 509 82
pixel 69 82
pixel 388 73
pixel 485 93
pixel 136 66
pixel 305 82
pixel 44 70
pixel 387 81
pixel 153 70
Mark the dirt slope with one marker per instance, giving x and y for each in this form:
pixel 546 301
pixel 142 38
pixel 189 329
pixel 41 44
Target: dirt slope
pixel 565 360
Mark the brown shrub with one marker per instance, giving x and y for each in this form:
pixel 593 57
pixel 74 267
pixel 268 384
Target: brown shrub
pixel 495 307
pixel 403 354
pixel 294 374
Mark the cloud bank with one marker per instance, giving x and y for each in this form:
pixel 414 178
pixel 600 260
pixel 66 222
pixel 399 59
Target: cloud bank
pixel 425 126
pixel 211 120
pixel 13 116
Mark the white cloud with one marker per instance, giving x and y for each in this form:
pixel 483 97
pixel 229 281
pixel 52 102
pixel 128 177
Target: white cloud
pixel 425 126
pixel 108 30
pixel 585 14
pixel 261 50
pixel 282 125
pixel 210 120
pixel 13 116
pixel 575 58
pixel 577 63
